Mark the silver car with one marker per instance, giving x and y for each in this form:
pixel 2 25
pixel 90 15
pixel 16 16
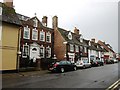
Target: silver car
pixel 83 63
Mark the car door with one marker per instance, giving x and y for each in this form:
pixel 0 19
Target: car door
pixel 68 65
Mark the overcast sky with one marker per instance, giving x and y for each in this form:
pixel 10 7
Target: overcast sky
pixel 95 18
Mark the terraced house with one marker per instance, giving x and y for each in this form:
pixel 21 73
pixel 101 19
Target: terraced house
pixel 95 50
pixel 36 42
pixel 69 45
pixel 9 38
pixel 109 53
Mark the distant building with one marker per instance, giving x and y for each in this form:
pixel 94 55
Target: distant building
pixel 109 53
pixel 95 50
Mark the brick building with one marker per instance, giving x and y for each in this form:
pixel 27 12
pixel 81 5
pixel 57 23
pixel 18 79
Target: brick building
pixel 36 42
pixel 68 45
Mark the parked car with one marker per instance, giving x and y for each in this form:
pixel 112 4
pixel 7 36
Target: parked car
pixel 115 60
pixel 100 62
pixel 62 66
pixel 109 61
pixel 83 64
pixel 97 62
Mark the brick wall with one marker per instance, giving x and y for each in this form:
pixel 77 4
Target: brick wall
pixel 59 47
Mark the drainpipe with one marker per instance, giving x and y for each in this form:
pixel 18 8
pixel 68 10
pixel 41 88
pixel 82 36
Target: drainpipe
pixel 18 51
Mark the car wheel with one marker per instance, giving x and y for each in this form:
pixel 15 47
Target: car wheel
pixel 84 67
pixel 90 66
pixel 98 64
pixel 75 68
pixel 62 70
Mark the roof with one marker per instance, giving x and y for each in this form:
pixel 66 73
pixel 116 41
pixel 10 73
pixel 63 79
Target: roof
pixel 9 15
pixel 75 38
pixel 105 46
pixel 95 46
pixel 29 21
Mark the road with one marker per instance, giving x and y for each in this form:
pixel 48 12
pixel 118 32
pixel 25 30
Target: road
pixel 95 77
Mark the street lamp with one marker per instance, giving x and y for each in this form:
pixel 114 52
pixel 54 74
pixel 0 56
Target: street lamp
pixel 54 57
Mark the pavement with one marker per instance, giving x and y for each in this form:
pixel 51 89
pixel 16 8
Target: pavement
pixel 19 74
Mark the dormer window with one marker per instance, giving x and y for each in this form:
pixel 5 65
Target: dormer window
pixel 81 39
pixel 35 22
pixel 89 43
pixel 70 36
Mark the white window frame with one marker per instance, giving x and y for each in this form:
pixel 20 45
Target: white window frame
pixel 48 34
pixel 26 29
pixel 71 47
pixel 49 52
pixel 34 33
pixel 85 49
pixel 76 48
pixel 42 52
pixel 81 48
pixel 42 33
pixel 25 56
pixel 70 36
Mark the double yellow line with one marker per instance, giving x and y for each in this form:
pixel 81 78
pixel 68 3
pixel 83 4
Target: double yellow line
pixel 114 85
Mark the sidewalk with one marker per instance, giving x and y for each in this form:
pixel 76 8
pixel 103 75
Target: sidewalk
pixel 20 74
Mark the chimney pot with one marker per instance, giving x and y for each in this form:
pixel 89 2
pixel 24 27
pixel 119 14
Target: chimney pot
pixel 44 20
pixel 93 40
pixel 55 22
pixel 76 31
pixel 8 3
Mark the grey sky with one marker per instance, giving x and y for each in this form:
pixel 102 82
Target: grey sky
pixel 95 18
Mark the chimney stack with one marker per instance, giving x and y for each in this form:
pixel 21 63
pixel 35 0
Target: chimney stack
pixel 55 22
pixel 44 20
pixel 93 40
pixel 76 31
pixel 8 3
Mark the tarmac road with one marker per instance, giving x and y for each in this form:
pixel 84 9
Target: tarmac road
pixel 95 77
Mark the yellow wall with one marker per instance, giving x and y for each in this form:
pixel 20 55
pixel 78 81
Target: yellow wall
pixel 9 46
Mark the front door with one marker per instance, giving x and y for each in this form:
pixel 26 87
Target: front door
pixel 34 52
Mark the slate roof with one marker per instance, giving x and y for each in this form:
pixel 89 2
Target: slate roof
pixel 75 37
pixel 96 46
pixel 29 21
pixel 9 15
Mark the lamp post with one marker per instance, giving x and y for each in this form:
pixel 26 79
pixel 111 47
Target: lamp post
pixel 54 58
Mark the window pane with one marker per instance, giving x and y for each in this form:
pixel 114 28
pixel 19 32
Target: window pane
pixel 48 37
pixel 35 34
pixel 26 33
pixel 42 36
